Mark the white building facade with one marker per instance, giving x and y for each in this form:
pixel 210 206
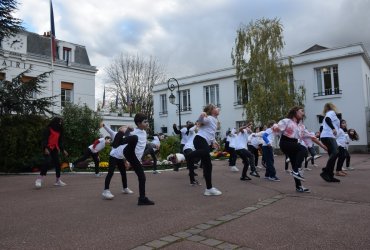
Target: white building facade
pixel 339 75
pixel 73 78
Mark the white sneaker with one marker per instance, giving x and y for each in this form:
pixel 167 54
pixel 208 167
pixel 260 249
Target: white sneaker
pixel 98 175
pixel 287 160
pixel 309 158
pixel 317 156
pixel 127 191
pixel 315 165
pixel 107 195
pixel 59 183
pixel 308 169
pixel 38 183
pixel 234 169
pixel 212 191
pixel 259 167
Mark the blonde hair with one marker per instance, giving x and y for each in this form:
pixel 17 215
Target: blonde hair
pixel 208 109
pixel 329 106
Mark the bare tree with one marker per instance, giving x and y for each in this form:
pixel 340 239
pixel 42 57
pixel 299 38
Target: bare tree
pixel 133 78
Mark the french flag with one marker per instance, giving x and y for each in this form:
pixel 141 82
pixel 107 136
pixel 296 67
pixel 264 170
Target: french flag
pixel 52 35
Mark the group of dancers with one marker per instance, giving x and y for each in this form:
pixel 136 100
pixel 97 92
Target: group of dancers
pixel 130 145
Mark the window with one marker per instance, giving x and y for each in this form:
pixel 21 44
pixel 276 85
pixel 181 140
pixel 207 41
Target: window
pixel 115 127
pixel 67 54
pixel 241 94
pixel 66 93
pixel 163 104
pixel 291 82
pixel 327 81
pixel 27 79
pixel 211 95
pixel 164 130
pixel 185 100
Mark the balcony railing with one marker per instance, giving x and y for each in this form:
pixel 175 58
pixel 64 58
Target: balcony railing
pixel 328 92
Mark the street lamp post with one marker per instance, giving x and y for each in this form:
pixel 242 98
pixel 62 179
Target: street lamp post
pixel 171 86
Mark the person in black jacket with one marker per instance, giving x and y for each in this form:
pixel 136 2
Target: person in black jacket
pixel 52 145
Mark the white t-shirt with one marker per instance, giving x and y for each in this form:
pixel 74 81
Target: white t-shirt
pixel 241 140
pixel 185 137
pixel 231 138
pixel 118 152
pixel 98 146
pixel 342 139
pixel 326 130
pixel 208 130
pixel 189 144
pixel 141 144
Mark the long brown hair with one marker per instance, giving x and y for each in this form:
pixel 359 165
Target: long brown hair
pixel 293 111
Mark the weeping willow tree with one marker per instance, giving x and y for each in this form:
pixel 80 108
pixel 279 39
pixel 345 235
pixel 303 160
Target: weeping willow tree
pixel 265 78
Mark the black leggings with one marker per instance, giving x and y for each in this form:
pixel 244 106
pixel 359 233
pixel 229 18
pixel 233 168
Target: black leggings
pixel 202 151
pixel 295 152
pixel 87 154
pixel 120 163
pixel 51 159
pixel 129 153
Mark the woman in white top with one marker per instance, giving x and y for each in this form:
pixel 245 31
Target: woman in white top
pixel 328 138
pixel 202 142
pixel 185 133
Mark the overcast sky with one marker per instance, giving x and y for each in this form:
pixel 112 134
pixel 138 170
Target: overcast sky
pixel 192 36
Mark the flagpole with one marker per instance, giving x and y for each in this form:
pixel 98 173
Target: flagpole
pixel 52 48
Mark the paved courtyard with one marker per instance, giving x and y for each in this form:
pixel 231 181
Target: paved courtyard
pixel 257 214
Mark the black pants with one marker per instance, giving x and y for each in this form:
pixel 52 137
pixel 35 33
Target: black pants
pixel 129 153
pixel 190 163
pixel 231 151
pixel 254 151
pixel 342 156
pixel 332 147
pixel 87 154
pixel 242 153
pixel 52 159
pixel 120 163
pixel 295 152
pixel 149 150
pixel 202 150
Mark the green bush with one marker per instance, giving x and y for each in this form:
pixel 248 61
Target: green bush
pixel 81 126
pixel 20 146
pixel 170 145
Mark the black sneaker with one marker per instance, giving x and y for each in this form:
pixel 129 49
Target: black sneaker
pixel 145 201
pixel 325 176
pixel 246 178
pixel 332 179
pixel 297 176
pixel 255 174
pixel 302 189
pixel 195 183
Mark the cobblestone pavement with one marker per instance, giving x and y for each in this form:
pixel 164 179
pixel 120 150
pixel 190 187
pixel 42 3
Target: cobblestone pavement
pixel 256 214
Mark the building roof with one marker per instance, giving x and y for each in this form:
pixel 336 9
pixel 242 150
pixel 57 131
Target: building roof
pixel 40 45
pixel 316 47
